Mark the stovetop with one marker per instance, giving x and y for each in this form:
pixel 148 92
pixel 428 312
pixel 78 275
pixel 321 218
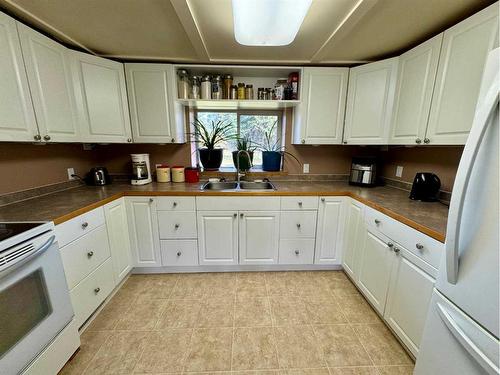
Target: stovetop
pixel 8 230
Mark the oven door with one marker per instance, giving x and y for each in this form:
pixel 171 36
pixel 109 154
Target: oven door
pixel 34 302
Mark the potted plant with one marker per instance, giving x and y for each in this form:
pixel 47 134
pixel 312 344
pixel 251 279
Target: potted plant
pixel 244 144
pixel 209 137
pixel 272 152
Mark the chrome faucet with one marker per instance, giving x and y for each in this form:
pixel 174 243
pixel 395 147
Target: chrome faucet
pixel 238 172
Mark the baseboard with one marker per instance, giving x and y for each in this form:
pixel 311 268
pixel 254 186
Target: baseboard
pixel 238 268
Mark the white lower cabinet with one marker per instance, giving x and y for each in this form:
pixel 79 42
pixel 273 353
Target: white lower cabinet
pixel 143 231
pixel 218 237
pixel 330 231
pixel 259 237
pixel 179 253
pixel 353 237
pixel 296 251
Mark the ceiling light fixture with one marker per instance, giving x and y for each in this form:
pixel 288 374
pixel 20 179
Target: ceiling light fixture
pixel 268 22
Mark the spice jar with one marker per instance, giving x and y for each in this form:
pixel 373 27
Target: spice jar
pixel 217 87
pixel 228 83
pixel 178 174
pixel 249 92
pixel 234 92
pixel 241 91
pixel 183 84
pixel 195 87
pixel 260 93
pixel 206 87
pixel 162 173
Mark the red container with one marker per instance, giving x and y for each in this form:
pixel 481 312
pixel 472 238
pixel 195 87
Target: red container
pixel 192 175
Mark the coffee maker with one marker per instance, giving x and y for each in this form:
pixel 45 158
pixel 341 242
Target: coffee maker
pixel 141 169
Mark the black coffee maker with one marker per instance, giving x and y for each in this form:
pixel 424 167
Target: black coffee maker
pixel 425 187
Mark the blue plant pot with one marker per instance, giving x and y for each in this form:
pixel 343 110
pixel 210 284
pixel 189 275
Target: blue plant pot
pixel 271 161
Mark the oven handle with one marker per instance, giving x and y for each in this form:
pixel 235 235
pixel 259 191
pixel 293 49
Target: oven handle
pixel 30 257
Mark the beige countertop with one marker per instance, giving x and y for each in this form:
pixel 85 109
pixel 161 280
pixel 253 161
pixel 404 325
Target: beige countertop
pixel 428 218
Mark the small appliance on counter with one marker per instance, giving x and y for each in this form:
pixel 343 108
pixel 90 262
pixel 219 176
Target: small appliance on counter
pixel 141 169
pixel 425 187
pixel 363 171
pixel 97 176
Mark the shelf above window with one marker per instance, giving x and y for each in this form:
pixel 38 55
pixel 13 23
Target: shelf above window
pixel 226 104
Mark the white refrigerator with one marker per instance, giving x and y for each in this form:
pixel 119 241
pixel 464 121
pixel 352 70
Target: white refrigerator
pixel 462 328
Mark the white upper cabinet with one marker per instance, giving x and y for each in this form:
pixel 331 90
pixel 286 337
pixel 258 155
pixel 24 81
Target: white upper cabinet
pixel 329 235
pixel 463 55
pixel 102 99
pixel 48 68
pixel 412 103
pixel 320 117
pixel 259 237
pixel 370 97
pixel 151 91
pixel 17 118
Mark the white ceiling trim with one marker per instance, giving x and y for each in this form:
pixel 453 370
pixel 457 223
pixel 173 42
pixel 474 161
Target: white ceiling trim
pixel 151 58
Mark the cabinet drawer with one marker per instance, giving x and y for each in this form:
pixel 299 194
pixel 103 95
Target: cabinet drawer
pixel 177 224
pixel 299 251
pixel 176 203
pixel 82 256
pixel 179 252
pixel 92 291
pixel 77 227
pixel 299 203
pixel 298 224
pixel 238 203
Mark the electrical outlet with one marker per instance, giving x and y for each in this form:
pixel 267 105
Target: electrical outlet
pixel 71 172
pixel 399 171
pixel 305 168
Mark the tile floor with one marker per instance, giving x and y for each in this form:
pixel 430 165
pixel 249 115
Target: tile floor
pixel 260 323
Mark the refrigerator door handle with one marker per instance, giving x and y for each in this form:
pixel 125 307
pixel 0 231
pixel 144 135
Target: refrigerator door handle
pixel 465 341
pixel 482 119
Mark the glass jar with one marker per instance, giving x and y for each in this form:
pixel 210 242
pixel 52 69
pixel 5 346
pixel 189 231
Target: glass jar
pixel 217 87
pixel 183 86
pixel 234 92
pixel 195 87
pixel 279 89
pixel 206 87
pixel 241 91
pixel 228 83
pixel 260 93
pixel 249 92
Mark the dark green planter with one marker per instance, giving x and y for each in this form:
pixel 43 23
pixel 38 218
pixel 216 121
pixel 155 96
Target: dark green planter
pixel 245 164
pixel 271 161
pixel 211 159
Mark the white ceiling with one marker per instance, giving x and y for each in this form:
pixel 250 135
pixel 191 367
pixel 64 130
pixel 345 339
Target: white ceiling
pixel 333 32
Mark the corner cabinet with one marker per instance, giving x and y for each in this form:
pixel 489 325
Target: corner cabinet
pixel 330 228
pixel 143 231
pixel 151 89
pixel 319 118
pixel 353 237
pixel 101 98
pixel 370 98
pixel 218 237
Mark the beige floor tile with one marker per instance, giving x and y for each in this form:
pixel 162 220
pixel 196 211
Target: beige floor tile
pixel 381 345
pixel 179 314
pixel 254 349
pixel 90 344
pixel 216 312
pixel 288 311
pixel 256 372
pixel 354 371
pixel 341 286
pixel 165 351
pixel 159 286
pixel 282 284
pixel 305 371
pixel 119 354
pixel 221 285
pixel 395 370
pixel 252 312
pixel 210 350
pixel 298 348
pixel 193 287
pixel 323 311
pixel 341 346
pixel 315 287
pixel 251 284
pixel 356 309
pixel 143 315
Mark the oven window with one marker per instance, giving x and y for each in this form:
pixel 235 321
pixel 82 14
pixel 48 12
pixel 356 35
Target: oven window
pixel 22 307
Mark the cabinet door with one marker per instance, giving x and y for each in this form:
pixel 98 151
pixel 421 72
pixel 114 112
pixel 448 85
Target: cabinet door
pixel 101 98
pixel 320 117
pixel 463 55
pixel 143 229
pixel 218 237
pixel 412 102
pixel 150 98
pixel 353 237
pixel 48 67
pixel 259 237
pixel 329 231
pixel 370 97
pixel 409 296
pixel 17 118
pixel 119 242
pixel 375 264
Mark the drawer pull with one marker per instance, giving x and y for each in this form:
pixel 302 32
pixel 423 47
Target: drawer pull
pixel 419 246
pixel 85 225
pixel 323 200
pixel 377 221
pixel 177 226
pixel 235 215
pixel 179 253
pixel 297 252
pixel 390 244
pixel 299 203
pixel 97 290
pixel 397 250
pixel 151 200
pixel 298 225
pixel 241 215
pixel 175 204
pixel 90 254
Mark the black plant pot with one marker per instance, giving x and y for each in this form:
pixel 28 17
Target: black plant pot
pixel 271 161
pixel 211 159
pixel 245 164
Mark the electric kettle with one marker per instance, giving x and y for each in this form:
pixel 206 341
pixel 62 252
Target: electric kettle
pixel 425 187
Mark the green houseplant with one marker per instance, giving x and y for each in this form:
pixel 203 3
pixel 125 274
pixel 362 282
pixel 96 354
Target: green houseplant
pixel 244 144
pixel 272 152
pixel 208 137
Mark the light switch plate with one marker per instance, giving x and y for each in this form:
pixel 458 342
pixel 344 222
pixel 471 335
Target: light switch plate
pixel 305 168
pixel 71 171
pixel 399 171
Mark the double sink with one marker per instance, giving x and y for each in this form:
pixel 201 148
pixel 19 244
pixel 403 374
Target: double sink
pixel 239 186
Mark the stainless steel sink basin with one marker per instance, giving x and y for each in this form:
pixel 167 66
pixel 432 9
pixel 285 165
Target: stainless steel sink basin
pixel 246 185
pixel 235 186
pixel 220 186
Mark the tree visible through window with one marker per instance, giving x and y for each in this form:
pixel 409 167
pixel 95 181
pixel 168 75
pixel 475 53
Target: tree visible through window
pixel 246 124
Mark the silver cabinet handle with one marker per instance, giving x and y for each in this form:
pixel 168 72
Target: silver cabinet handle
pixel 90 254
pixel 97 290
pixel 129 140
pixel 173 140
pixel 298 225
pixel 85 225
pixel 175 204
pixel 235 215
pixel 46 137
pixel 151 200
pixel 418 141
pixel 377 221
pixel 241 215
pixel 297 252
pixel 390 244
pixel 179 253
pixel 323 200
pixel 427 141
pixel 299 203
pixel 397 250
pixel 419 246
pixel 345 142
pixel 37 137
pixel 303 141
pixel 177 226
